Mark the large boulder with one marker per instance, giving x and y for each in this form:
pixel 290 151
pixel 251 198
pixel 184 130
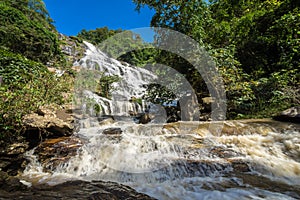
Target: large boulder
pixel 45 123
pixel 145 118
pixel 106 121
pixel 289 115
pixel 49 123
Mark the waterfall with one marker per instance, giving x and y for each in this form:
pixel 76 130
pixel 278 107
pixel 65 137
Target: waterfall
pixel 182 160
pixel 131 83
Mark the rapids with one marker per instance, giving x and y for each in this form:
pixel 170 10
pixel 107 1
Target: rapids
pixel 248 159
pixel 258 159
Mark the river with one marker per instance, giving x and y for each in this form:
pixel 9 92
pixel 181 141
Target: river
pixel 242 159
pixel 250 159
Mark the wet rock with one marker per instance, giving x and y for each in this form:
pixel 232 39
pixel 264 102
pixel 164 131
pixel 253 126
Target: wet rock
pixel 106 121
pixel 241 127
pixel 267 184
pixel 12 160
pixel 17 148
pixel 289 115
pixel 223 152
pixel 72 190
pixel 145 118
pixel 88 122
pixel 240 166
pixel 4 162
pixel 189 108
pixel 173 114
pixel 132 113
pixel 112 131
pixel 64 115
pixel 3 178
pixel 205 117
pixel 192 168
pixel 206 102
pixel 54 152
pixel 10 183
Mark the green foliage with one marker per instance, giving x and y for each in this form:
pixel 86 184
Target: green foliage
pixel 129 45
pixel 26 86
pixel 265 37
pixel 105 85
pixel 87 80
pixel 158 94
pixel 255 45
pixel 92 108
pixel 278 92
pixel 286 33
pixel 260 31
pixel 187 17
pixel 98 35
pixel 28 39
pixel 137 100
pixel 95 81
pixel 25 28
pixel 140 57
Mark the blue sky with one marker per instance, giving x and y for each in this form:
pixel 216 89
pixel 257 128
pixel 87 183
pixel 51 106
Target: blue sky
pixel 71 16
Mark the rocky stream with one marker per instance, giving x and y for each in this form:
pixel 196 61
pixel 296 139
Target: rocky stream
pixel 71 154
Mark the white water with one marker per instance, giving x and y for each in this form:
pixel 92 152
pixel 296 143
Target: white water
pixel 183 161
pixel 174 162
pixel 132 80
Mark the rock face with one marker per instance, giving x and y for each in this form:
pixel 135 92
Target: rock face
pixel 53 152
pixel 72 47
pixel 289 115
pixel 12 160
pixel 45 123
pixel 173 113
pixel 9 183
pixel 50 122
pixel 106 121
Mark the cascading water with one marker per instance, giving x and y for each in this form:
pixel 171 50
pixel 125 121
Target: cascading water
pixel 183 160
pixel 186 161
pixel 130 85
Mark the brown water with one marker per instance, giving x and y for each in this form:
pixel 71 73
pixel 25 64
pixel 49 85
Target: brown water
pixel 249 159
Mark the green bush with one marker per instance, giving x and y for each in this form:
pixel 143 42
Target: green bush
pixel 34 38
pixel 26 86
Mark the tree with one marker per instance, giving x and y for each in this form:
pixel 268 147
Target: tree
pixel 188 17
pixel 28 41
pixel 255 45
pixel 25 28
pixel 255 28
pixel 98 35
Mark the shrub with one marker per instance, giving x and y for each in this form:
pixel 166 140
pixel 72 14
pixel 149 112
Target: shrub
pixel 26 86
pixel 33 38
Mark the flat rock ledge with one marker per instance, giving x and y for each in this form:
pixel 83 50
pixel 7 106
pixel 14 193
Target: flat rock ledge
pixel 49 123
pixel 12 188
